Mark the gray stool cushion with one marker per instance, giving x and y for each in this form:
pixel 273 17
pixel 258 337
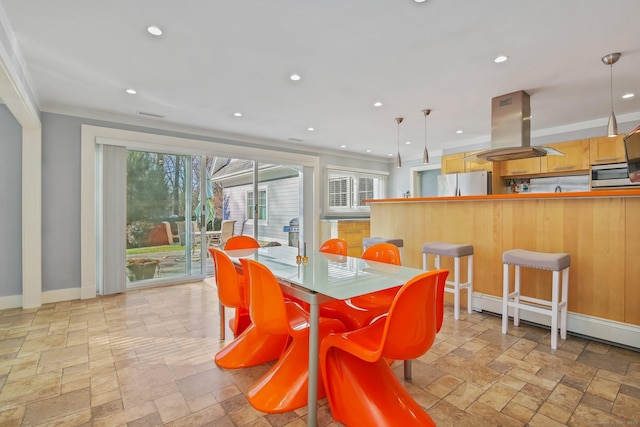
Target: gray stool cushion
pixel 447 249
pixel 542 260
pixel 368 241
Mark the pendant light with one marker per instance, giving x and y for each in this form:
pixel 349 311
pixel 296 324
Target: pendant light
pixel 425 156
pixel 398 159
pixel 612 126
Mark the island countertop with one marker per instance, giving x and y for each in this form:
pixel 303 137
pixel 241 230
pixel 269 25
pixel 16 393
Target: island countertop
pixel 518 196
pixel 600 230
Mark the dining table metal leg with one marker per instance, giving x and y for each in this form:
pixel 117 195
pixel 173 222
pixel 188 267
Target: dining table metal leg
pixel 407 369
pixel 222 322
pixel 314 328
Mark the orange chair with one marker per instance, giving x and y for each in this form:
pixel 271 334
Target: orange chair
pixel 361 310
pixel 337 246
pixel 241 319
pixel 251 347
pixel 241 242
pixel 389 254
pixel 285 386
pixel 361 387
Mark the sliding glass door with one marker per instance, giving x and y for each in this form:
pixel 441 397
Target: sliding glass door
pixel 263 199
pixel 168 207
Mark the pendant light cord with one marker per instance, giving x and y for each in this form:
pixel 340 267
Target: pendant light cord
pixel 611 88
pixel 425 131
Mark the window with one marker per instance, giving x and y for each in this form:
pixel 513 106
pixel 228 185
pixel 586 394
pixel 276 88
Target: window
pixel 348 188
pixel 262 205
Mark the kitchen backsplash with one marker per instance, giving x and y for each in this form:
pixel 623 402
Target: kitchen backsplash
pixel 562 184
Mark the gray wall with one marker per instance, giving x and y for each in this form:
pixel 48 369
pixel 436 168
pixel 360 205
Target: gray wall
pixel 10 204
pixel 61 195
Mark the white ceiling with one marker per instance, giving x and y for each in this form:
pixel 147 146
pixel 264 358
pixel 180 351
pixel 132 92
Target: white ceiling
pixel 224 56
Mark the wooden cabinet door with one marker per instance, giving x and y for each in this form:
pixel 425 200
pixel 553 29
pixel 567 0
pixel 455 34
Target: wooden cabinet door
pixel 604 150
pixel 521 167
pixel 575 158
pixel 452 163
pixel 353 232
pixel 475 166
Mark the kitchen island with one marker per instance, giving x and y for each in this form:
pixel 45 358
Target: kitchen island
pixel 599 229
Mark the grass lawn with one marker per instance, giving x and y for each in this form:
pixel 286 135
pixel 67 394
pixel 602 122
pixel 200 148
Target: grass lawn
pixel 155 249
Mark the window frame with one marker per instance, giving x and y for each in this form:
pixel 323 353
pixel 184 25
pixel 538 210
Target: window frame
pixel 353 208
pixel 261 189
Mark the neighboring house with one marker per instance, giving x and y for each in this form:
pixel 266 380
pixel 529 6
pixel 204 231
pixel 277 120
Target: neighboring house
pixel 278 198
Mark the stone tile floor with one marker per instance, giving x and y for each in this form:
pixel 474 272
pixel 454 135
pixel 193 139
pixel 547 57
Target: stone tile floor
pixel 145 358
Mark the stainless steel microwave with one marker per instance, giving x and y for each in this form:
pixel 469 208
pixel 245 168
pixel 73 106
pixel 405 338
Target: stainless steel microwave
pixel 611 176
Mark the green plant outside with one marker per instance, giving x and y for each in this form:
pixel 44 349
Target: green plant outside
pixel 154 249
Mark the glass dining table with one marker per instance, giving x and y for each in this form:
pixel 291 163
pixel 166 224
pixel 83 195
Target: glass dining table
pixel 322 277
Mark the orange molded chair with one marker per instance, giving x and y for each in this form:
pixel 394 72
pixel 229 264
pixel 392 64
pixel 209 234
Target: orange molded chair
pixel 361 310
pixel 361 387
pixel 337 246
pixel 389 254
pixel 241 319
pixel 251 347
pixel 285 386
pixel 241 242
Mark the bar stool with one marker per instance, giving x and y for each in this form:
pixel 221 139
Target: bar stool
pixel 557 263
pixel 454 286
pixel 369 241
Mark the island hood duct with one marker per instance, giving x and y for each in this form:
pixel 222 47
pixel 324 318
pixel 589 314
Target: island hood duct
pixel 511 129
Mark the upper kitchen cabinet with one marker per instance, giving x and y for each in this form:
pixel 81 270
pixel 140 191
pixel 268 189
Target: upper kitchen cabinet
pixel 455 163
pixel 575 158
pixel 452 163
pixel 607 150
pixel 520 167
pixel 479 165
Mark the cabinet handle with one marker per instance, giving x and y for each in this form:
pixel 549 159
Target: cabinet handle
pixel 520 171
pixel 564 168
pixel 607 159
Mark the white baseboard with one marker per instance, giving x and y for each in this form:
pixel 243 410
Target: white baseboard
pixel 588 326
pixel 68 294
pixel 12 301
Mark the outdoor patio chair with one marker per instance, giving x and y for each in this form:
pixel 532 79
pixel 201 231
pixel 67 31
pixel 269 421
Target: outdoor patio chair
pixel 171 238
pixel 182 233
pixel 226 231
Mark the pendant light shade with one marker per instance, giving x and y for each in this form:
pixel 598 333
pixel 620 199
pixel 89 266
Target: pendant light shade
pixel 398 159
pixel 612 126
pixel 425 155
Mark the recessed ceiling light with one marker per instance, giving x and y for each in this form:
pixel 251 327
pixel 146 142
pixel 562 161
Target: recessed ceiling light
pixel 419 1
pixel 343 146
pixel 368 150
pixel 154 30
pixel 628 95
pixel 310 129
pixel 407 142
pixel 295 77
pixel 131 91
pixel 377 104
pixel 390 154
pixel 459 131
pixel 500 59
pixel 237 114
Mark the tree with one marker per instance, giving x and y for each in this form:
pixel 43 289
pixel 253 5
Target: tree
pixel 147 189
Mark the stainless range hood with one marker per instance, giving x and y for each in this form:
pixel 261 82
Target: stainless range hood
pixel 511 129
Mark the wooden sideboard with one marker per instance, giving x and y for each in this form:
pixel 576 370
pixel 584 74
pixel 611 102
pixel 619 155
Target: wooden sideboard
pixel 352 230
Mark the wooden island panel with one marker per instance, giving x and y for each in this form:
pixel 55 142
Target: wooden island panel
pixel 591 232
pixel 632 264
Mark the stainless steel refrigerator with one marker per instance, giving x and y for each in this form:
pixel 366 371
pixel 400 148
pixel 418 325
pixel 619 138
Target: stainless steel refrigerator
pixel 464 184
